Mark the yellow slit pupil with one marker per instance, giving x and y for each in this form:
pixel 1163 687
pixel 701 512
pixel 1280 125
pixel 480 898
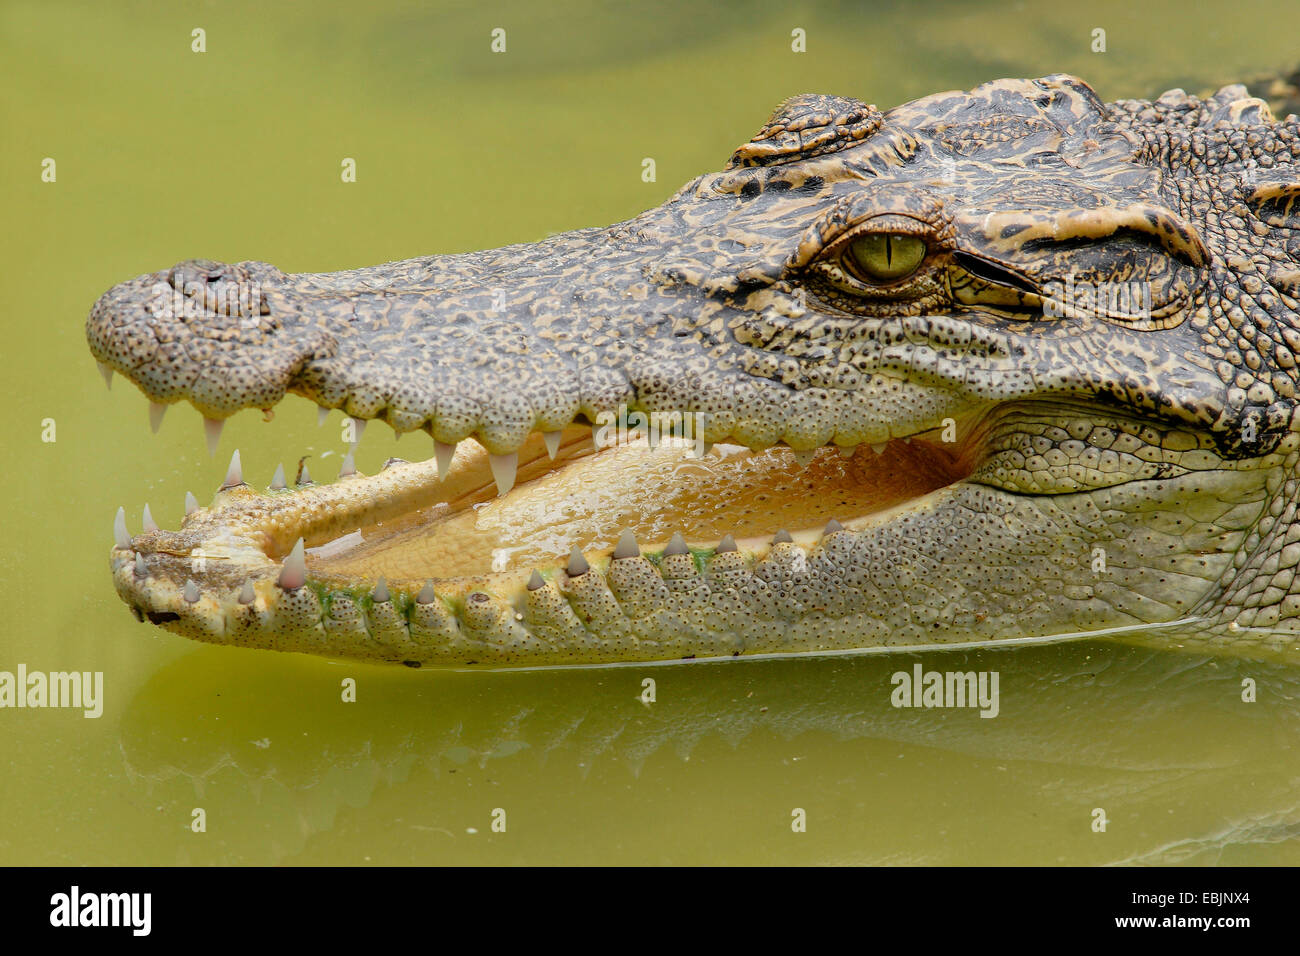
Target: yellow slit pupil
pixel 887 256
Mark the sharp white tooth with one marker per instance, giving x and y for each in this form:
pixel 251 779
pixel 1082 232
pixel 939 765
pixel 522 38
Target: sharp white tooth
pixel 848 451
pixel 246 592
pixel 277 480
pixel 107 372
pixel 381 592
pixel 191 591
pixel 444 455
pixel 294 573
pixel 879 447
pixel 535 581
pixel 156 412
pixel 782 537
pixel 149 523
pixel 504 468
pixel 212 432
pixel 191 504
pixel 804 458
pixel 578 565
pixel 677 545
pixel 627 546
pixel 349 466
pixel 120 537
pixel 426 594
pixel 234 474
pixel 139 565
pixel 321 415
pixel 552 440
pixel 304 476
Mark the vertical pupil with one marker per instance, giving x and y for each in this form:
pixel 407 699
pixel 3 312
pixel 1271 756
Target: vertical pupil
pixel 889 251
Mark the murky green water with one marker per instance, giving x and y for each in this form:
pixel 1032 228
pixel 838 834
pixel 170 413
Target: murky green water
pixel 164 154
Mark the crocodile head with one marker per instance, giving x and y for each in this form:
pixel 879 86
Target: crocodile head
pixel 1005 363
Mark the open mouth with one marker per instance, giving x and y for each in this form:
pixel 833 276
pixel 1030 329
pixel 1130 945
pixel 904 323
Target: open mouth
pixel 587 498
pixel 435 549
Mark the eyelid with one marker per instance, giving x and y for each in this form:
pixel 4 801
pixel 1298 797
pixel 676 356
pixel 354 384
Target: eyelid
pixel 854 215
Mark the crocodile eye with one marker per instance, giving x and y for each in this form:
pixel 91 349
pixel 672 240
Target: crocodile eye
pixel 886 256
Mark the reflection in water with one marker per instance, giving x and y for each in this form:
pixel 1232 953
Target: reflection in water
pixel 1081 726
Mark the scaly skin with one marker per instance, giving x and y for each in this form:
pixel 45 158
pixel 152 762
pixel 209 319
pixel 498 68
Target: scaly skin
pixel 1041 466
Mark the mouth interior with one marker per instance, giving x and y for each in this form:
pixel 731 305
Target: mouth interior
pixel 587 498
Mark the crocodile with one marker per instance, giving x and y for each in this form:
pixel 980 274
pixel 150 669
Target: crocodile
pixel 1005 364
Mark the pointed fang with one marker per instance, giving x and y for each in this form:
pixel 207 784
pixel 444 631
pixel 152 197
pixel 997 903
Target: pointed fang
pixel 426 594
pixel 149 523
pixel 504 468
pixel 552 440
pixel 212 432
pixel 106 371
pixel 535 581
pixel 191 591
pixel 277 480
pixel 782 537
pixel 728 543
pixel 139 565
pixel 879 447
pixel 626 547
pixel 833 527
pixel 444 454
pixel 191 504
pixel 120 536
pixel 804 458
pixel 234 474
pixel 156 412
pixel 246 592
pixel 294 573
pixel 322 413
pixel 677 545
pixel 349 466
pixel 578 565
pixel 848 451
pixel 381 592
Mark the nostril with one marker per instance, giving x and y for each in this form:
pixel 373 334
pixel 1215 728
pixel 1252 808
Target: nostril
pixel 198 271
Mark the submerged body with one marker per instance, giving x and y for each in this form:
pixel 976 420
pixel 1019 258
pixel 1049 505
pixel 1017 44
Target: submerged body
pixel 1007 363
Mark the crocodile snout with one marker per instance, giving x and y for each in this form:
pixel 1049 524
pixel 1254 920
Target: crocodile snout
pixel 218 335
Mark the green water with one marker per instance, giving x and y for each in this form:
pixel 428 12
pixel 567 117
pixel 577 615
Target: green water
pixel 163 154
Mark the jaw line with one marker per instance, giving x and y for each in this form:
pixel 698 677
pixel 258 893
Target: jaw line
pixel 245 536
